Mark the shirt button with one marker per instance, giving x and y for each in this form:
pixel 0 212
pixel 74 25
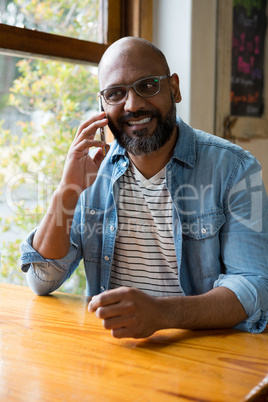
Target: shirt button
pixel 203 230
pixel 92 212
pixel 107 258
pixel 124 164
pixel 112 228
pixel 102 287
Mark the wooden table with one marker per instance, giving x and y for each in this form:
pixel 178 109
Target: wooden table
pixel 52 349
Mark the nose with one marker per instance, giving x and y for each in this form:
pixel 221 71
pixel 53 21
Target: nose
pixel 134 101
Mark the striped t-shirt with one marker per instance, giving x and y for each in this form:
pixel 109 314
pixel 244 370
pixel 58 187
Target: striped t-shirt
pixel 144 255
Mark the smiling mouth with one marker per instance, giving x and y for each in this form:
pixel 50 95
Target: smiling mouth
pixel 139 122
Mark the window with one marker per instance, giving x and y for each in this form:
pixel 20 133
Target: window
pixel 49 85
pixel 81 20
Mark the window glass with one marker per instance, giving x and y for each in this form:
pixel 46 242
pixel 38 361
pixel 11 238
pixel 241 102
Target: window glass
pixel 41 105
pixel 83 19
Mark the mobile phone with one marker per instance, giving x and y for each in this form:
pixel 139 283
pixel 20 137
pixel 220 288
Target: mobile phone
pixel 102 132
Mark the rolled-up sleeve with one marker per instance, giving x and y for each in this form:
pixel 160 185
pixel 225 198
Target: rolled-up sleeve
pixel 45 275
pixel 244 244
pixel 253 299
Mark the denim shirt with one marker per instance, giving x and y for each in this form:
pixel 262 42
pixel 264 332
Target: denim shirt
pixel 220 225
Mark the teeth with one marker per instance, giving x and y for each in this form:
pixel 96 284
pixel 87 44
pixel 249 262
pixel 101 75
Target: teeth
pixel 137 122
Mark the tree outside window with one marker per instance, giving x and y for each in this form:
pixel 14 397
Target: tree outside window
pixel 42 102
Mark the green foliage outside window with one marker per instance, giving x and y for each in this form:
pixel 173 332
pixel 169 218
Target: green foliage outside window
pixel 54 97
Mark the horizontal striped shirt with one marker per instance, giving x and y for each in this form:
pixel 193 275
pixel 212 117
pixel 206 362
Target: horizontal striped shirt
pixel 144 255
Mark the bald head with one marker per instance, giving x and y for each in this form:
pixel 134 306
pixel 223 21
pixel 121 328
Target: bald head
pixel 136 49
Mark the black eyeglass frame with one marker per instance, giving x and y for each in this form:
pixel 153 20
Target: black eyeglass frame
pixel 127 88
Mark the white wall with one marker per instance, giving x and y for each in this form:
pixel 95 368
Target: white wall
pixel 172 34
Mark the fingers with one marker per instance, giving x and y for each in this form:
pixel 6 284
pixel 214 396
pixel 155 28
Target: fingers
pixel 86 144
pixel 126 312
pixel 105 299
pixel 113 308
pixel 88 128
pixel 123 333
pixel 90 121
pixel 99 156
pixel 117 315
pixel 118 310
pixel 85 138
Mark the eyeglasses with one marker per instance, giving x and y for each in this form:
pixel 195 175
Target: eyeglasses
pixel 146 87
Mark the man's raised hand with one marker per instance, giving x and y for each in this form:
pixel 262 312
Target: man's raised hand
pixel 80 169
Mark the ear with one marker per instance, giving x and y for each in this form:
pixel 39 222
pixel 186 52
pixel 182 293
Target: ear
pixel 175 87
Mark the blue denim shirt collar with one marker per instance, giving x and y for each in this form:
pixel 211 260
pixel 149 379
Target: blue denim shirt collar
pixel 118 152
pixel 185 149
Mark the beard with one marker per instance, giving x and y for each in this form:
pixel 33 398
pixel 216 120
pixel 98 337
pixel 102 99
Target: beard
pixel 144 144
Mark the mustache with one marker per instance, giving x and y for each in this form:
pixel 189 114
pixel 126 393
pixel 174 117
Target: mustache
pixel 136 115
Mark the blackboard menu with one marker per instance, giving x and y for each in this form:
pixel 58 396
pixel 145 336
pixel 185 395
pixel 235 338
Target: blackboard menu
pixel 247 81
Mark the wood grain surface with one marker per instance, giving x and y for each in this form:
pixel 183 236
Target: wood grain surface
pixel 52 349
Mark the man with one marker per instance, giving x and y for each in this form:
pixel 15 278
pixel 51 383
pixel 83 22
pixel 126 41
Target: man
pixel 171 224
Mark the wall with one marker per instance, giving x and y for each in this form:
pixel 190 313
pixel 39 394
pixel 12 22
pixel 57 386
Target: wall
pixel 259 148
pixel 203 71
pixel 172 34
pixel 186 32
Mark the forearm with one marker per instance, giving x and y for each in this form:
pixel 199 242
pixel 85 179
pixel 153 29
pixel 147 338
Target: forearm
pixel 218 308
pixel 52 239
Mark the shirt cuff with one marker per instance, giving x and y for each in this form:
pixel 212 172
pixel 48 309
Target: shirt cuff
pixel 29 255
pixel 248 297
